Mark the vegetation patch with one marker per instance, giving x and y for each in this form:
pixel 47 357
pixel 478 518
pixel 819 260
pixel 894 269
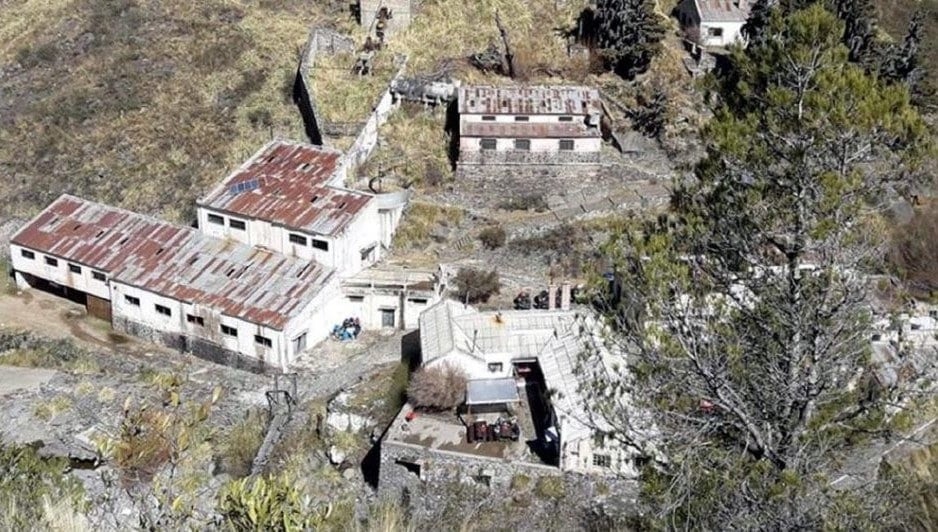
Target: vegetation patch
pixel 440 387
pixel 343 96
pixel 36 493
pixel 549 487
pixel 48 410
pixel 413 146
pixel 31 352
pixel 241 443
pixel 420 220
pixel 476 286
pixel 492 237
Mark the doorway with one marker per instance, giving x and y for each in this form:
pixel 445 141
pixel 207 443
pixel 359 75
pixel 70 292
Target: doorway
pixel 387 317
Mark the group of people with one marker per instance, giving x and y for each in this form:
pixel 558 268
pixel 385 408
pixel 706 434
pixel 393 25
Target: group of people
pixel 349 330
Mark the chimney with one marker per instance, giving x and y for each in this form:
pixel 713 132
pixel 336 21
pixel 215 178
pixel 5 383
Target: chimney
pixel 551 296
pixel 565 295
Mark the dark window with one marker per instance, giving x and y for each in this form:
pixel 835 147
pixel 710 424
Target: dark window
pixel 715 32
pixel 418 300
pixel 160 309
pixel 131 300
pixel 298 239
pixel 229 331
pixel 488 118
pixel 523 144
pixel 236 224
pixel 51 261
pixel 565 119
pixel 262 340
pixel 356 299
pixel 488 144
pixel 27 254
pixel 521 119
pixel 216 219
pixel 98 276
pixel 566 145
pixel 74 268
pixel 602 460
pixel 495 367
pixel 198 320
pixel 320 244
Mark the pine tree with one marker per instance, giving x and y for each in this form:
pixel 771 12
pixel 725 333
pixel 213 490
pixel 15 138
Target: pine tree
pixel 743 314
pixel 901 62
pixel 629 33
pixel 860 30
pixel 759 17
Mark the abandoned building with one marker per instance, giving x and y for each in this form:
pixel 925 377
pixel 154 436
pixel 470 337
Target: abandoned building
pixel 172 284
pixel 520 364
pixel 714 23
pixel 287 198
pixel 529 125
pixel 391 298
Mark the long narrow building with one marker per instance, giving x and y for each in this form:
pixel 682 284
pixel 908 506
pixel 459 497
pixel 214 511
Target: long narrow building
pixel 218 298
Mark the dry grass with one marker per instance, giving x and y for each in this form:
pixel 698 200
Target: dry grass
pixel 413 146
pixel 454 29
pixel 343 97
pixel 419 222
pixel 144 105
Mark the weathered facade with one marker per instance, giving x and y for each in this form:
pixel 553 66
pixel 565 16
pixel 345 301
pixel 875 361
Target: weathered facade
pixel 174 284
pixel 386 298
pixel 541 125
pixel 715 23
pixel 284 199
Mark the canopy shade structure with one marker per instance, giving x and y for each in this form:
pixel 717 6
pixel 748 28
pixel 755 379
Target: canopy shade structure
pixel 492 391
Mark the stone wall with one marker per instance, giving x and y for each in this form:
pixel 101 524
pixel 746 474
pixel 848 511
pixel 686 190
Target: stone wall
pixel 508 158
pixel 320 40
pixel 189 344
pixel 423 479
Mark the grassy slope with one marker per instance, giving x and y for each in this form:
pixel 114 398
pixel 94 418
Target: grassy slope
pixel 142 103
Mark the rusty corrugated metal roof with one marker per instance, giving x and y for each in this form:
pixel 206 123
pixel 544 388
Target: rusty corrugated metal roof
pixel 529 100
pixel 286 183
pixel 238 280
pixel 529 130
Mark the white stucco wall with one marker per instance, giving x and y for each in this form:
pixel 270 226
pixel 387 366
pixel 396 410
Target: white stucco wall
pixel 59 274
pixel 368 307
pixel 732 33
pixel 577 455
pixel 580 145
pixel 510 119
pixel 475 368
pixel 344 253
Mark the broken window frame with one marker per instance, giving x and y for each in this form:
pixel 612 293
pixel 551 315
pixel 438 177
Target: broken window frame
pixel 566 144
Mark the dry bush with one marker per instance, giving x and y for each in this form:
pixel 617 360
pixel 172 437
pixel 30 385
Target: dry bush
pixel 492 237
pixel 474 286
pixel 914 253
pixel 441 387
pixel 242 443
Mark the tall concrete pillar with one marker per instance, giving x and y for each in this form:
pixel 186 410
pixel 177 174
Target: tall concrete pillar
pixel 551 296
pixel 565 296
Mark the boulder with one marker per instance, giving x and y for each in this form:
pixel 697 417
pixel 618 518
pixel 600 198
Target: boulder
pixel 336 455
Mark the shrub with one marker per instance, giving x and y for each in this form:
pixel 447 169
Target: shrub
pixel 28 486
pixel 474 285
pixel 535 202
pixel 269 503
pixel 492 237
pixel 437 387
pixel 242 442
pixel 549 487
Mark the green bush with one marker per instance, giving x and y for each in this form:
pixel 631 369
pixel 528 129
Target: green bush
pixel 549 487
pixel 268 503
pixel 473 285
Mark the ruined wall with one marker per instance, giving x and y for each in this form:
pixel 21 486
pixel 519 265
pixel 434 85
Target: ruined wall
pixel 402 12
pixel 497 482
pixel 201 348
pixel 319 40
pixel 367 138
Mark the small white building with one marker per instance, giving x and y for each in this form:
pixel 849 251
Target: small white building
pixel 172 284
pixel 715 23
pixel 385 297
pixel 283 198
pixel 497 345
pixel 529 125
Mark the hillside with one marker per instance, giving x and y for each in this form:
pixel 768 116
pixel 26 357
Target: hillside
pixel 142 103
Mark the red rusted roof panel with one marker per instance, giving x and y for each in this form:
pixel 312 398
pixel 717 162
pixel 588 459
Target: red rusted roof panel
pixel 287 184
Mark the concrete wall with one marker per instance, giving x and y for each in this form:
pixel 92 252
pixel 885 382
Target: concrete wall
pixel 402 12
pixel 471 147
pixel 60 273
pixel 344 253
pixel 578 456
pixel 527 158
pixel 143 319
pixel 367 305
pixel 319 40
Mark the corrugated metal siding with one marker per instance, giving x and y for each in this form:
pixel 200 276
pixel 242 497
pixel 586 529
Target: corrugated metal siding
pixel 529 100
pixel 286 184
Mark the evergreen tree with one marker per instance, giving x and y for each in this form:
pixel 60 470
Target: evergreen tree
pixel 901 62
pixel 743 315
pixel 629 33
pixel 860 30
pixel 759 18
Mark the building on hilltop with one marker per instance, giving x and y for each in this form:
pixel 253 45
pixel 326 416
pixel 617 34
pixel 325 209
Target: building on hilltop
pixel 286 198
pixel 714 23
pixel 529 125
pixel 520 365
pixel 218 298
